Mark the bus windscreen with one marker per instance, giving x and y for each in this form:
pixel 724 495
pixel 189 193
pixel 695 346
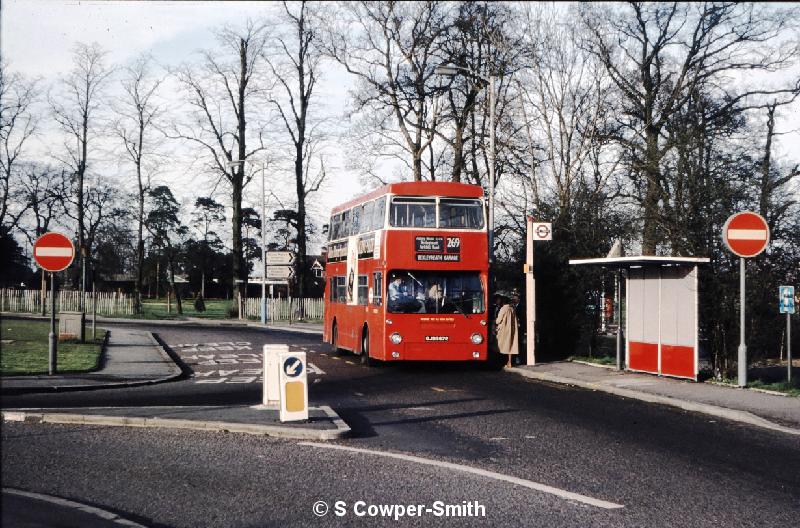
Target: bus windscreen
pixel 437 292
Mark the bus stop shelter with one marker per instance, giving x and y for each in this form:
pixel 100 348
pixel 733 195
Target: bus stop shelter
pixel 661 313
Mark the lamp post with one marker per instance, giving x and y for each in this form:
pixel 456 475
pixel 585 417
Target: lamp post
pixel 263 240
pixel 451 71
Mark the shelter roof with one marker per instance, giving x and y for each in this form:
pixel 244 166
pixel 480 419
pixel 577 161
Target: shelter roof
pixel 641 261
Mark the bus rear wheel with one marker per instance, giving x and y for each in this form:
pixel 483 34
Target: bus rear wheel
pixel 365 359
pixel 335 339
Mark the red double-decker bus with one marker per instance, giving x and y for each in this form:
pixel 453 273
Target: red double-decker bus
pixel 407 271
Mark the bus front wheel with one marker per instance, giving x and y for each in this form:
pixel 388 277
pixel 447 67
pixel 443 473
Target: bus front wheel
pixel 365 359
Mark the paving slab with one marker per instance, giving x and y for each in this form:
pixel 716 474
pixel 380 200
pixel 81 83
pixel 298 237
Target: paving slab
pixel 323 422
pixel 749 406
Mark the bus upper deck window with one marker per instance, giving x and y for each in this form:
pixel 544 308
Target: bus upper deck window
pixel 412 212
pixel 460 213
pixel 378 213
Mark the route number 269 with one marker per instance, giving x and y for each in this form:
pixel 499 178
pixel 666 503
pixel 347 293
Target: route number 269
pixel 453 244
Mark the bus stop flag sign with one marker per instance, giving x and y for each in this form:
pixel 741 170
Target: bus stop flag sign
pixel 53 252
pixel 746 234
pixel 786 299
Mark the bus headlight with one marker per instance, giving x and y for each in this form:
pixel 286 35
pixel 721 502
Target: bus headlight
pixel 396 338
pixel 476 339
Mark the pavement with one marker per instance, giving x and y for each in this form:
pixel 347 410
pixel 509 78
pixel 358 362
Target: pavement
pixel 134 357
pixel 767 410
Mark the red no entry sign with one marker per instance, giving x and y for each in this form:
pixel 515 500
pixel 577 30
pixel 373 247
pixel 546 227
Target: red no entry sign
pixel 53 251
pixel 746 234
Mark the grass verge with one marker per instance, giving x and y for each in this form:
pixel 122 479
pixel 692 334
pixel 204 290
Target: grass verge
pixel 784 387
pixel 599 360
pixel 25 346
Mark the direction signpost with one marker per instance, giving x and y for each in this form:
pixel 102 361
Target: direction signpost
pixel 53 252
pixel 280 265
pixel 746 235
pixel 786 305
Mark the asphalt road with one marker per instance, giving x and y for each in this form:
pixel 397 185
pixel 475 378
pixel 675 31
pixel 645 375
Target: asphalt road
pixel 666 467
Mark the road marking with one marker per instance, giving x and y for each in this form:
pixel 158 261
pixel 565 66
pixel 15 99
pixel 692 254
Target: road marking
pixel 358 393
pixel 498 438
pixel 349 362
pixel 107 515
pixel 544 488
pixel 439 389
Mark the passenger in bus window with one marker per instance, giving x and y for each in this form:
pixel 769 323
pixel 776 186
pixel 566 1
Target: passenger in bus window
pixel 395 293
pixel 400 299
pixel 433 302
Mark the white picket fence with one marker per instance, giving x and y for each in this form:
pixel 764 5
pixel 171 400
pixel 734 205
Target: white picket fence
pixel 30 301
pixel 285 310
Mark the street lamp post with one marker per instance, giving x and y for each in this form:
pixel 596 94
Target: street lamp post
pixel 263 241
pixel 451 71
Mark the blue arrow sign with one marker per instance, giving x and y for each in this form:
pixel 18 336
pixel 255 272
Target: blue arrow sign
pixel 292 367
pixel 786 299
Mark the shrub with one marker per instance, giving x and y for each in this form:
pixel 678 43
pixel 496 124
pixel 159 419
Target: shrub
pixel 199 303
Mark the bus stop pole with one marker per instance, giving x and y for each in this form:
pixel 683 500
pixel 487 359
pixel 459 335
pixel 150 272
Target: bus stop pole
pixel 618 298
pixel 789 347
pixel 530 299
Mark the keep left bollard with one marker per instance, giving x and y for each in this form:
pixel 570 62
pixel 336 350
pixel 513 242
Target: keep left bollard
pixel 272 373
pixel 293 386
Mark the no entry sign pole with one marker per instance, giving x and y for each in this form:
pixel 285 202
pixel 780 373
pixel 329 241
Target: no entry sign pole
pixel 746 235
pixel 53 252
pixel 52 347
pixel 742 352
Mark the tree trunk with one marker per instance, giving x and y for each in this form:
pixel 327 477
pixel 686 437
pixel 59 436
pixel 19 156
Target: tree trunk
pixel 458 153
pixel 236 220
pixel 172 283
pixel 650 232
pixel 139 249
pixel 763 202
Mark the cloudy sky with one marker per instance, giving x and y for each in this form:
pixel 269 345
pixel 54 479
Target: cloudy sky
pixel 37 38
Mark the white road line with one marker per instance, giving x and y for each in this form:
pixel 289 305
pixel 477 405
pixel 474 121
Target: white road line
pixel 544 488
pixel 107 515
pixel 316 369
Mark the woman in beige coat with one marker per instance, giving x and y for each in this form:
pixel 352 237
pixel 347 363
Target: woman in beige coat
pixel 506 328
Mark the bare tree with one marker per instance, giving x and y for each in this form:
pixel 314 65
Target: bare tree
pixel 137 112
pixel 660 55
pixel 221 92
pixel 392 48
pixel 42 193
pixel 17 125
pixel 75 105
pixel 296 67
